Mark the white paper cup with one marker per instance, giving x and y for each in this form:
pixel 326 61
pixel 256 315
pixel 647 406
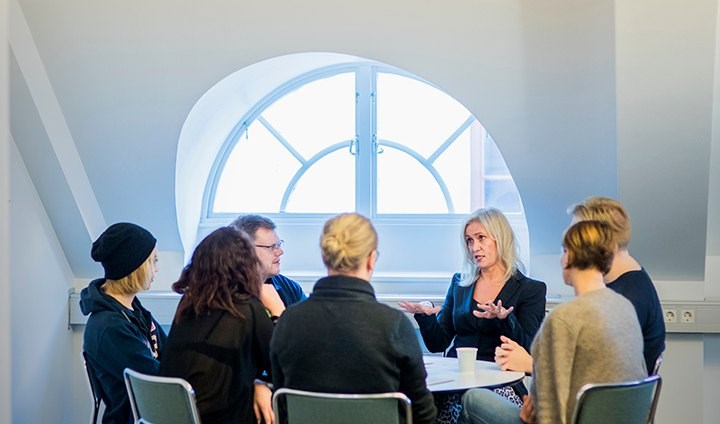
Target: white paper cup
pixel 466 358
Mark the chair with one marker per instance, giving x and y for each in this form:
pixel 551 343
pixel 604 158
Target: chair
pixel 302 407
pixel 656 367
pixel 160 400
pixel 631 402
pixel 94 388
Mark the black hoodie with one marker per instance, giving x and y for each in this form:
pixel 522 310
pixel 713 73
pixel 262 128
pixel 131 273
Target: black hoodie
pixel 117 338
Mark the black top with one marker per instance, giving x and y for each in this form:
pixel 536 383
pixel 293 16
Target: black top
pixel 637 287
pixel 342 340
pixel 117 338
pixel 220 356
pixel 456 324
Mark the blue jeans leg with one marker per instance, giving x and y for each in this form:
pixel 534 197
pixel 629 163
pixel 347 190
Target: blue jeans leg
pixel 482 406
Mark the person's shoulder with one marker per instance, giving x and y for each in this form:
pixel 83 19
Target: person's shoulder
pixel 530 285
pixel 282 280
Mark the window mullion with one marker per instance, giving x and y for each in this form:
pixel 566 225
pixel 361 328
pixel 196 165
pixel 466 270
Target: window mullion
pixel 365 173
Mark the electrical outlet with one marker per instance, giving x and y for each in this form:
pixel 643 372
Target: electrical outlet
pixel 670 315
pixel 687 315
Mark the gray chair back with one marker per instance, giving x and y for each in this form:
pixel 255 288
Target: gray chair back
pixel 302 407
pixel 631 402
pixel 94 388
pixel 161 400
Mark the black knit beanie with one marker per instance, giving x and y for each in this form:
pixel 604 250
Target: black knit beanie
pixel 122 248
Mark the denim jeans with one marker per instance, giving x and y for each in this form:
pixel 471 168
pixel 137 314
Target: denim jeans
pixel 482 406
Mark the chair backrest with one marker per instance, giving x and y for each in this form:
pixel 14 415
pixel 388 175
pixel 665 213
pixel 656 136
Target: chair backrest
pixel 630 402
pixel 656 367
pixel 161 400
pixel 93 387
pixel 302 407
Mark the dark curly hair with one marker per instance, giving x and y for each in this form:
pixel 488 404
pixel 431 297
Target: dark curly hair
pixel 224 269
pixel 590 244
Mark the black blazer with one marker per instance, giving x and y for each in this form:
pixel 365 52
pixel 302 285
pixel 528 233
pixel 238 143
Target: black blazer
pixel 456 324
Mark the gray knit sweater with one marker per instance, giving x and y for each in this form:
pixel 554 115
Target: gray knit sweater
pixel 594 338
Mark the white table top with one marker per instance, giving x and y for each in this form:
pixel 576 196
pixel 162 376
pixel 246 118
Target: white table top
pixel 444 375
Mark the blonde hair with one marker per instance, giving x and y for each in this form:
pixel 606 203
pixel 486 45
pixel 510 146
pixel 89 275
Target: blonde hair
pixel 132 283
pixel 606 210
pixel 589 244
pixel 498 229
pixel 346 241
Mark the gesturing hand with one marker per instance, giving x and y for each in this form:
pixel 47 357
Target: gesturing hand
pixel 493 311
pixel 418 308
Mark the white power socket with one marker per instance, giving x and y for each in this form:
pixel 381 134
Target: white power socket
pixel 670 315
pixel 687 316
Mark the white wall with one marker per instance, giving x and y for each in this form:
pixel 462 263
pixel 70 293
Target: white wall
pixel 43 349
pixel 5 301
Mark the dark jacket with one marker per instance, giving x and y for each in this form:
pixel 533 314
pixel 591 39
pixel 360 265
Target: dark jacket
pixel 117 338
pixel 220 356
pixel 638 288
pixel 342 340
pixel 456 324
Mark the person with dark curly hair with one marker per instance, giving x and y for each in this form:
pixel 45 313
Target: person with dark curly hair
pixel 220 336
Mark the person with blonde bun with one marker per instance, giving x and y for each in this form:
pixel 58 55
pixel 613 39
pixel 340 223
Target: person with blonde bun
pixel 342 340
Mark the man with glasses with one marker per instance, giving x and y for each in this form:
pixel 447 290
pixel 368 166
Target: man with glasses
pixel 278 292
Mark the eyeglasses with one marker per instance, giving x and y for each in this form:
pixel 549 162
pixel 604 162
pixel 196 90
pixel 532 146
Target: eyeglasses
pixel 272 247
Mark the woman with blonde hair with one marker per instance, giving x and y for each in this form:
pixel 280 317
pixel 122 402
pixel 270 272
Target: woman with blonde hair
pixel 342 340
pixel 120 333
pixel 594 338
pixel 489 299
pixel 626 276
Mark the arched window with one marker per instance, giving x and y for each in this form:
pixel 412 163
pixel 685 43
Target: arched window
pixel 364 138
pixel 299 143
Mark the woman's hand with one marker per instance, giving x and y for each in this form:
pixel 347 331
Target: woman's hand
pixel 270 298
pixel 262 404
pixel 527 411
pixel 419 308
pixel 493 311
pixel 511 356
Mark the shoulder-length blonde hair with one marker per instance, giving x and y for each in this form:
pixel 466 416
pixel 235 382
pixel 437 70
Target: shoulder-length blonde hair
pixel 133 283
pixel 498 229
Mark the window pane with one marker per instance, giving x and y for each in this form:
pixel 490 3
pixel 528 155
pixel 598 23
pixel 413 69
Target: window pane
pixel 494 162
pixel 327 187
pixel 415 114
pixel 404 186
pixel 502 194
pixel 454 167
pixel 316 115
pixel 255 174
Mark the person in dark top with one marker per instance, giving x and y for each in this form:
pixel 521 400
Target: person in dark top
pixel 120 333
pixel 342 340
pixel 220 335
pixel 489 299
pixel 279 291
pixel 626 275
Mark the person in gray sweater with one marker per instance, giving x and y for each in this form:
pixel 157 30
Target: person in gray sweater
pixel 595 338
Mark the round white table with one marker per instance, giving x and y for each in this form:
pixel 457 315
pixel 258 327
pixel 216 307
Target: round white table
pixel 444 375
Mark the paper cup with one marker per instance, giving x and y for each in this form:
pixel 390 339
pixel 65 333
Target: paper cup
pixel 466 358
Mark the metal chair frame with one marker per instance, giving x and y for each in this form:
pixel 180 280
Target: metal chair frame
pixel 94 392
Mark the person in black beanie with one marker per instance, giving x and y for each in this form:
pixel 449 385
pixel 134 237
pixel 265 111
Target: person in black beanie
pixel 120 333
